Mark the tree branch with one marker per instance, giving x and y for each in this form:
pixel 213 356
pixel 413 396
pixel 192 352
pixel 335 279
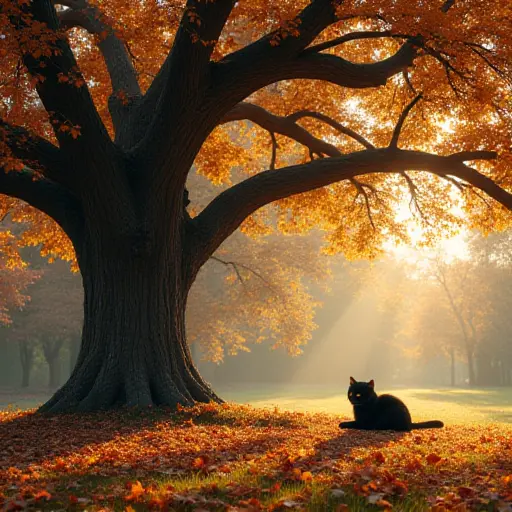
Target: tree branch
pixel 68 102
pixel 236 267
pixel 126 92
pixel 228 210
pixel 334 124
pixel 119 64
pixel 37 153
pixel 175 91
pixel 287 125
pixel 448 4
pixel 234 79
pixel 352 36
pixel 401 120
pixel 48 197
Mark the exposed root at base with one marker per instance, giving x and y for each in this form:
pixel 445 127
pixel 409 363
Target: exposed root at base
pixel 111 391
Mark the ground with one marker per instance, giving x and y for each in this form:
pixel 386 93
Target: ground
pixel 233 458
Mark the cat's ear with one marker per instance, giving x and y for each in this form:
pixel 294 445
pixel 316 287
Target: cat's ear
pixel 371 384
pixel 352 380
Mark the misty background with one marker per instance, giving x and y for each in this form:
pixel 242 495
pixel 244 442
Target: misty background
pixel 412 318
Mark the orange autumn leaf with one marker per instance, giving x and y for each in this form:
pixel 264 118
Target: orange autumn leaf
pixel 136 492
pixel 307 476
pixel 200 462
pixel 379 457
pixel 44 494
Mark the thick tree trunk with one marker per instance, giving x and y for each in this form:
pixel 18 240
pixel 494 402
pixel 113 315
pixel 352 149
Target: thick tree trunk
pixel 134 351
pixel 74 349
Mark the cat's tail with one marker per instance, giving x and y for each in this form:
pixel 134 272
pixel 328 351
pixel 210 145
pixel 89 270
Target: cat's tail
pixel 428 424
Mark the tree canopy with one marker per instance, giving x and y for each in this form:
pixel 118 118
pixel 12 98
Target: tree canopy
pixel 352 67
pixel 335 112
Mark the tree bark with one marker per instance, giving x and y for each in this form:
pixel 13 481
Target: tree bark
pixel 134 351
pixel 74 349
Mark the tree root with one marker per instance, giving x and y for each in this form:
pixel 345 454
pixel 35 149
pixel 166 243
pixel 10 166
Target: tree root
pixel 111 387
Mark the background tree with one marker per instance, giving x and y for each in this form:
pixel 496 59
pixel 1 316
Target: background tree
pixel 433 326
pixel 105 150
pixel 15 278
pixel 52 319
pixel 459 309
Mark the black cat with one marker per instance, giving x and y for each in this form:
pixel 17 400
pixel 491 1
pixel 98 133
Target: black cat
pixel 384 412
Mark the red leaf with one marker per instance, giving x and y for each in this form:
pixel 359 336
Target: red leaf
pixel 433 458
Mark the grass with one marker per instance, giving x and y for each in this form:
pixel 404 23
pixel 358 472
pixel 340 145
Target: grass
pixel 242 458
pixel 452 405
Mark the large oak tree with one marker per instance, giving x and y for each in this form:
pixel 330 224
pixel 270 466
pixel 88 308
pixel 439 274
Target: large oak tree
pixel 107 106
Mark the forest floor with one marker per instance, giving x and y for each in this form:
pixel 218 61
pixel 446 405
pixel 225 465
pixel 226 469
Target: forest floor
pixel 241 458
pixel 452 405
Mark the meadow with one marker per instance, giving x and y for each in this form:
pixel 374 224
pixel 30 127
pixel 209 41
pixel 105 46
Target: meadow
pixel 282 452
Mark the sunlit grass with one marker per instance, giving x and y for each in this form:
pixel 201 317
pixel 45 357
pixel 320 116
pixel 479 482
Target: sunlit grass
pixel 453 406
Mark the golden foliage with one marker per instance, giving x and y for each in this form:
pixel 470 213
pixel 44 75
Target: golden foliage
pixel 463 72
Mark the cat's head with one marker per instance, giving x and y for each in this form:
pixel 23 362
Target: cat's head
pixel 361 392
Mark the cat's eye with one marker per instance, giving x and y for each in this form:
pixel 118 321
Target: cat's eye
pixel 350 394
pixel 358 395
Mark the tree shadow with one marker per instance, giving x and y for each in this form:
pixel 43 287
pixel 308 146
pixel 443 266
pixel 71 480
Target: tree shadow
pixel 349 440
pixel 32 439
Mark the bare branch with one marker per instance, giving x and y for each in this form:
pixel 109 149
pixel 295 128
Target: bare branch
pixel 460 185
pixel 401 120
pixel 352 36
pixel 274 151
pixel 483 53
pixel 413 189
pixel 236 267
pixel 362 192
pixel 407 79
pixel 286 125
pixel 337 126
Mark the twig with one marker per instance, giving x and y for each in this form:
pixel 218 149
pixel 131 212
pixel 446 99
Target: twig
pixel 353 36
pixel 274 151
pixel 398 128
pixel 334 124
